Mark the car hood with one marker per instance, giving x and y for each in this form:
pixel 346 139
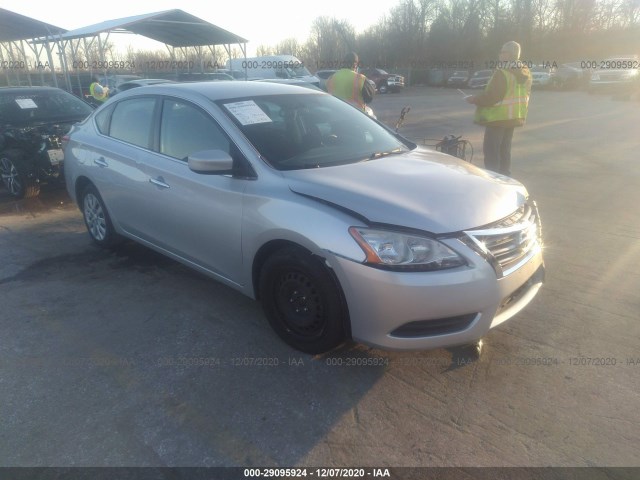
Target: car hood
pixel 421 189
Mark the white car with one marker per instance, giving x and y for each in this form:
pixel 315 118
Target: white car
pixel 618 74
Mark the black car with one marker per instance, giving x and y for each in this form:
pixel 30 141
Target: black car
pixel 142 82
pixel 385 82
pixel 33 121
pixel 459 79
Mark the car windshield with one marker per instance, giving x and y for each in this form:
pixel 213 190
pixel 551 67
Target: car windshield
pixel 29 108
pixel 297 131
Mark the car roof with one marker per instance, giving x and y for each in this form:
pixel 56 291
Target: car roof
pixel 222 90
pixel 290 81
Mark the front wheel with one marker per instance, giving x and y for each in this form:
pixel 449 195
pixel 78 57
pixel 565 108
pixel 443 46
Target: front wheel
pixel 97 219
pixel 302 301
pixel 13 176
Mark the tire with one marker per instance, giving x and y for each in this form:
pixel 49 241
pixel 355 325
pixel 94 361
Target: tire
pixel 302 301
pixel 96 218
pixel 14 178
pixel 383 88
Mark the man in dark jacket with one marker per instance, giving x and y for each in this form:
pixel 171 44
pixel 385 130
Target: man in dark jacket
pixel 503 106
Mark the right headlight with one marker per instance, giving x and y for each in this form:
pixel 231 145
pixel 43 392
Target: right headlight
pixel 401 251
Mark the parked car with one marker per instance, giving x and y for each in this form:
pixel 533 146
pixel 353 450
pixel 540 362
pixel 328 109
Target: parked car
pixel 568 77
pixel 273 66
pixel 113 82
pixel 338 226
pixel 323 76
pixel 541 77
pixel 459 79
pixel 142 82
pixel 617 75
pixel 480 79
pixel 32 123
pixel 204 76
pixel 385 82
pixel 236 74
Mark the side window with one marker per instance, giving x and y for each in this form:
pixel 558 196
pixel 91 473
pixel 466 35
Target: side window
pixel 103 119
pixel 131 121
pixel 185 129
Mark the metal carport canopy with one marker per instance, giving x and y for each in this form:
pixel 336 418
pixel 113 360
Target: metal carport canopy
pixel 172 27
pixel 15 29
pixel 14 26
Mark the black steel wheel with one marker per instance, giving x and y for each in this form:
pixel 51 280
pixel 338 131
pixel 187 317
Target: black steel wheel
pixel 96 218
pixel 14 178
pixel 302 301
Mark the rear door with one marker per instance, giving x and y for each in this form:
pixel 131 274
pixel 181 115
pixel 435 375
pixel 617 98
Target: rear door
pixel 113 158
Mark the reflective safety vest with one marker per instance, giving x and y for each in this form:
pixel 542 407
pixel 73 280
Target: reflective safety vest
pixel 347 85
pixel 98 92
pixel 513 106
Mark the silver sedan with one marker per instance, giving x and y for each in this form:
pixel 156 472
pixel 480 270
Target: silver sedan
pixel 339 227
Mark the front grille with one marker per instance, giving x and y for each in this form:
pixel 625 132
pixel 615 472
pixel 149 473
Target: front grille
pixel 511 241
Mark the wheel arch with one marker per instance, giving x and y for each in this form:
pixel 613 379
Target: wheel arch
pixel 81 183
pixel 273 246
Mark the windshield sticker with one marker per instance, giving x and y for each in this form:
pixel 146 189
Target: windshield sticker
pixel 24 103
pixel 247 112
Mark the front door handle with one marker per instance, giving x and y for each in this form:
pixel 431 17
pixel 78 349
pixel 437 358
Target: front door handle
pixel 101 162
pixel 159 182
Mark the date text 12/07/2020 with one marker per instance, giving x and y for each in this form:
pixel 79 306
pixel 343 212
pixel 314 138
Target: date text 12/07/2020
pixel 316 472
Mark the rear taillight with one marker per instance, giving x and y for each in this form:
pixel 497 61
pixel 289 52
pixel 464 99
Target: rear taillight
pixel 65 140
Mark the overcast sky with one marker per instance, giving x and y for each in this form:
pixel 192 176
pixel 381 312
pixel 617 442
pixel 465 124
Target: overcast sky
pixel 261 22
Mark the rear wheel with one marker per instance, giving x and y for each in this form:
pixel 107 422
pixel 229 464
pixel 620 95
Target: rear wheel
pixel 13 175
pixel 97 219
pixel 302 301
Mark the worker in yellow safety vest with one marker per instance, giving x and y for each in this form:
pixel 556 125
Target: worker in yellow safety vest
pixel 503 106
pixel 349 85
pixel 98 92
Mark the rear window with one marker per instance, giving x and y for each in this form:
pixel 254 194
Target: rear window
pixel 27 108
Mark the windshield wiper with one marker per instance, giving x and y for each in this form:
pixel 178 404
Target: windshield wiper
pixel 376 155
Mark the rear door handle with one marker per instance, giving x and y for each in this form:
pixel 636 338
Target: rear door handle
pixel 159 182
pixel 101 162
